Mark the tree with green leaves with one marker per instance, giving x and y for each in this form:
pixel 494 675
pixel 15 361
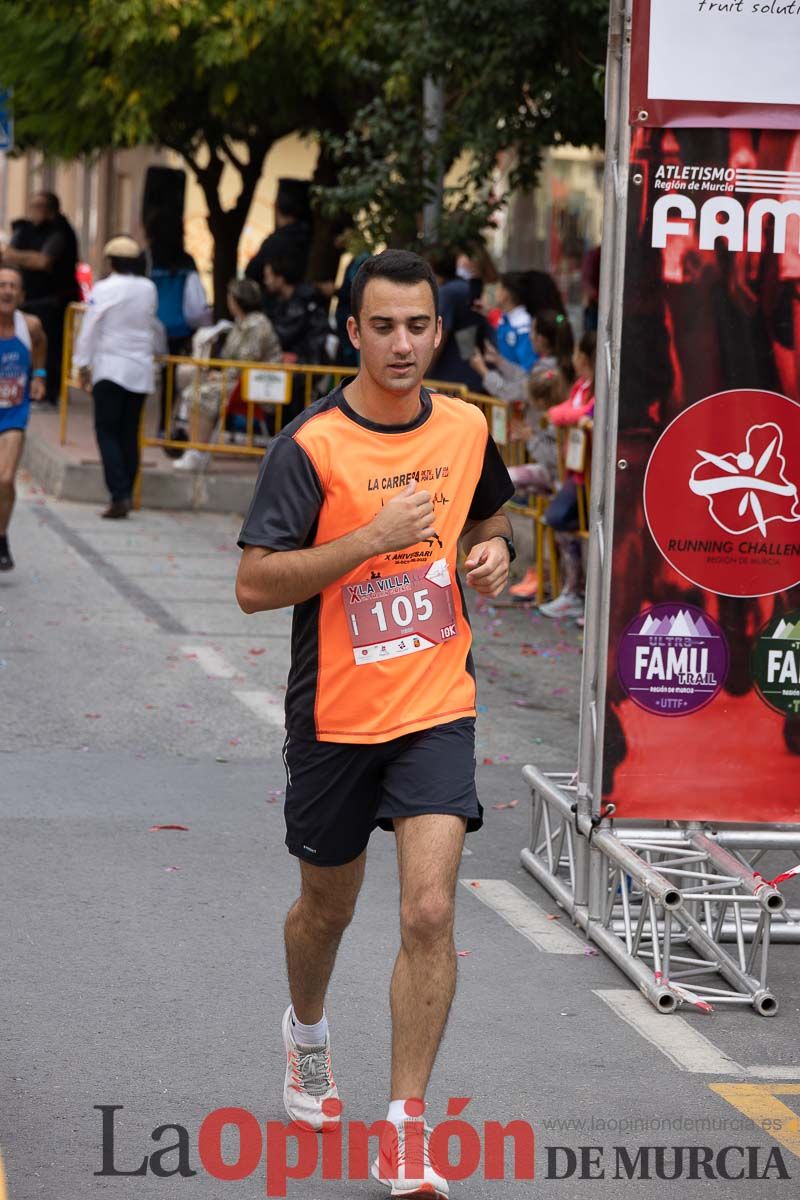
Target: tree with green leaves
pixel 516 78
pixel 217 81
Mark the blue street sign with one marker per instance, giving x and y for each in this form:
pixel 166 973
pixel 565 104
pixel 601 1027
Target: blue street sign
pixel 6 120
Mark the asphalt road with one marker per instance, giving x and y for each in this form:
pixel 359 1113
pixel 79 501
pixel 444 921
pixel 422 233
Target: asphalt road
pixel 144 969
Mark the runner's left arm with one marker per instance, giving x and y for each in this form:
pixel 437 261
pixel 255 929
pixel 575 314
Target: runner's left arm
pixel 487 554
pixel 38 356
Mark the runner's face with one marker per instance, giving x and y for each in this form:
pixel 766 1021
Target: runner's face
pixel 396 334
pixel 10 291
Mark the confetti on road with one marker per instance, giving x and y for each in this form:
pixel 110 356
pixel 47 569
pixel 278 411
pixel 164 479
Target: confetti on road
pixel 92 716
pixel 158 828
pixel 172 868
pixel 259 650
pixel 463 953
pixel 590 951
pixel 508 804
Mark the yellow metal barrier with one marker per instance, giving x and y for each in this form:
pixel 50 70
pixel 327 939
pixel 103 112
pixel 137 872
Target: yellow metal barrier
pixel 267 388
pixel 225 373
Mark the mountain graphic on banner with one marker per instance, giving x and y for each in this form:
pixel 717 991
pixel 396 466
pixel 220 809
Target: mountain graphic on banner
pixel 786 632
pixel 679 626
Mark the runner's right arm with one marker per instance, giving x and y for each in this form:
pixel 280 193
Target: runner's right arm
pixel 270 579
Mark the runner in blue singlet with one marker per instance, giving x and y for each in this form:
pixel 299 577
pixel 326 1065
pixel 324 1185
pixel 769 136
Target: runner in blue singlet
pixel 23 348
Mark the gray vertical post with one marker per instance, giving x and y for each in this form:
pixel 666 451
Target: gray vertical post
pixel 433 116
pixel 589 875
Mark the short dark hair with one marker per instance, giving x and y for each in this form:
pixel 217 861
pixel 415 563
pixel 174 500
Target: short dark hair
pixel 51 200
pixel 400 266
pixel 128 266
pixel 247 294
pixel 588 345
pixel 443 261
pixel 513 283
pixel 287 267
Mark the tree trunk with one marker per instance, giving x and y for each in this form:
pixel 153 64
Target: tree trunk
pixel 324 255
pixel 226 233
pixel 226 225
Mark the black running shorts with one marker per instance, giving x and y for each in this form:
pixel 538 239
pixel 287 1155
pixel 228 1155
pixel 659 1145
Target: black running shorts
pixel 337 793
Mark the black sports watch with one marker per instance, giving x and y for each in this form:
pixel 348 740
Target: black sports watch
pixel 512 550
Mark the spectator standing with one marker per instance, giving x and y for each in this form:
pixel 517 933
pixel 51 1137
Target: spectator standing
pixel 115 357
pixel 299 313
pixel 513 337
pixel 251 339
pixel 347 355
pixel 182 305
pixel 45 249
pixel 290 243
pixel 457 313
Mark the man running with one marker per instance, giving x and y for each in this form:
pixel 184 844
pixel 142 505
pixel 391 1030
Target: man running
pixel 23 349
pixel 357 517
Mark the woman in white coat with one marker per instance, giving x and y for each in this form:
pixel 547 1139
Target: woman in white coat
pixel 114 354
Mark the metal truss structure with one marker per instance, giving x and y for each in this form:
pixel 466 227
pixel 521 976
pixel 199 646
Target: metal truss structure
pixel 679 908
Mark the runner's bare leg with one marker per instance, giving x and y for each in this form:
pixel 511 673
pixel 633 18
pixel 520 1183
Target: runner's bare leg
pixel 11 443
pixel 314 929
pixel 424 980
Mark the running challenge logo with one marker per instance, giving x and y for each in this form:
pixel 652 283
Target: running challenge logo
pixel 741 224
pixel 721 493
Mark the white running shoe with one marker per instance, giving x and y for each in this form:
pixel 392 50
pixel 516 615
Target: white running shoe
pixel 389 1169
pixel 192 460
pixel 309 1080
pixel 568 604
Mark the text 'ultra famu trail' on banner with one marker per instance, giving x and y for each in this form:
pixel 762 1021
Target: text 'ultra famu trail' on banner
pixel 703 701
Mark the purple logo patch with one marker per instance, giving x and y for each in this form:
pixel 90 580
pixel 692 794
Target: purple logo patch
pixel 672 659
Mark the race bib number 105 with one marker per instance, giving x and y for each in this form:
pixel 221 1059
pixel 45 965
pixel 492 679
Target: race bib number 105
pixel 401 614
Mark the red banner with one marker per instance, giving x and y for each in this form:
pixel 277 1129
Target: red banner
pixel 703 712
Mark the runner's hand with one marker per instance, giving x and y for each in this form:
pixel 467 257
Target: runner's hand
pixel 406 520
pixel 487 565
pixel 38 389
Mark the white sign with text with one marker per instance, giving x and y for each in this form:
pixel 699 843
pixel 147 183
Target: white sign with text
pixel 725 51
pixel 266 387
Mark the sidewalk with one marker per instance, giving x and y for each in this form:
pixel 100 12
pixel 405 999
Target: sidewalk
pixel 73 471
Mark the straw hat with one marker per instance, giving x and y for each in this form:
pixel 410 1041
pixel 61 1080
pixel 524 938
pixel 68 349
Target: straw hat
pixel 122 246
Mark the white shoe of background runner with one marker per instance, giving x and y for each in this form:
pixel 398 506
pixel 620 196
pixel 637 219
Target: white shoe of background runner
pixel 309 1081
pixel 568 604
pixel 193 460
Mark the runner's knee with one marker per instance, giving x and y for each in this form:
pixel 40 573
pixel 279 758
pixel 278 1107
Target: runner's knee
pixel 426 918
pixel 326 914
pixel 6 485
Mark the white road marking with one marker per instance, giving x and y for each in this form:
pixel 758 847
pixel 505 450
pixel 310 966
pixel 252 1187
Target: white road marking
pixel 774 1072
pixel 264 704
pixel 679 1041
pixel 525 916
pixel 211 661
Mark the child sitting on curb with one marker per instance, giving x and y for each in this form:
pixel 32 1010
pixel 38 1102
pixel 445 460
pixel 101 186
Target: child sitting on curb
pixel 539 476
pixel 562 514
